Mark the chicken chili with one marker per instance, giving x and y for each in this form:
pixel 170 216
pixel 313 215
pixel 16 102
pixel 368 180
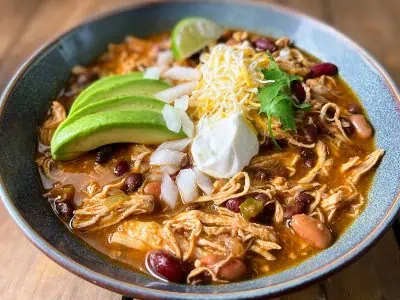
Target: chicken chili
pixel 207 157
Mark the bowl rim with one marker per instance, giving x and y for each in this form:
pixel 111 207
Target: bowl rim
pixel 135 290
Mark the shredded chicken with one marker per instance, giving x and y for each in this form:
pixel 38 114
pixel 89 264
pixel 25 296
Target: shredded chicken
pixel 322 153
pixel 361 167
pixel 57 114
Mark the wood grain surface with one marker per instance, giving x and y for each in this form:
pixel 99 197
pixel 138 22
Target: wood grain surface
pixel 25 273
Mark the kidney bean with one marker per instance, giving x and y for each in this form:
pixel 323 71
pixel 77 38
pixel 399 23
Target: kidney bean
pixel 233 204
pixel 298 90
pixel 261 197
pixel 362 128
pixel 166 266
pixel 233 270
pixel 309 162
pixel 310 133
pixel 133 182
pixel 354 108
pixel 261 175
pixel 312 231
pixel 104 154
pixel 263 44
pixel 318 70
pixel 121 168
pixel 299 205
pixel 153 188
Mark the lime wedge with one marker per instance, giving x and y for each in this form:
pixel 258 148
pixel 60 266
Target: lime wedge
pixel 192 34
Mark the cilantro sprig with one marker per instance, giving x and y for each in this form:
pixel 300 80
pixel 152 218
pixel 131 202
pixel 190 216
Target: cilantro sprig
pixel 275 98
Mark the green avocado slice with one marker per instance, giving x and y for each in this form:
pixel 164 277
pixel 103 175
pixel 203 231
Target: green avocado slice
pixel 105 83
pixel 134 87
pixel 109 127
pixel 115 104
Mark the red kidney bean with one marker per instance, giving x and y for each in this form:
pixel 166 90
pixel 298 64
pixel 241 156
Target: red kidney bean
pixel 354 109
pixel 233 204
pixel 318 70
pixel 104 154
pixel 263 44
pixel 121 168
pixel 261 175
pixel 312 231
pixel 310 133
pixel 299 205
pixel 133 182
pixel 298 90
pixel 166 266
pixel 362 128
pixel 261 197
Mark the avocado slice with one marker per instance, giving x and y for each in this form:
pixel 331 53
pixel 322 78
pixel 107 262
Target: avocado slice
pixel 134 87
pixel 109 127
pixel 105 83
pixel 115 104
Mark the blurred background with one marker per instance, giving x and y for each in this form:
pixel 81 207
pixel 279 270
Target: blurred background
pixel 25 273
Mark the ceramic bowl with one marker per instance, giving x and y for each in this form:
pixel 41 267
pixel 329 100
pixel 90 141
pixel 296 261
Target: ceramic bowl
pixel 26 100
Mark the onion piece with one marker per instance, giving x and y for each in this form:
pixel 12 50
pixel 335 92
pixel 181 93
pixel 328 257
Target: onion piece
pixel 177 145
pixel 172 118
pixel 175 92
pixel 182 73
pixel 169 191
pixel 152 73
pixel 203 181
pixel 165 58
pixel 170 169
pixel 182 103
pixel 166 157
pixel 187 124
pixel 187 185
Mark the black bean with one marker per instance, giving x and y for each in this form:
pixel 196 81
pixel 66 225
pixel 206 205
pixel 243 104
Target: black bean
pixel 121 168
pixel 263 44
pixel 299 205
pixel 298 90
pixel 86 78
pixel 167 266
pixel 354 109
pixel 330 112
pixel 306 152
pixel 310 133
pixel 104 153
pixel 309 162
pixel 261 197
pixel 64 209
pixel 266 217
pixel 133 182
pixel 268 144
pixel 234 204
pixel 318 70
pixel 348 127
pixel 261 175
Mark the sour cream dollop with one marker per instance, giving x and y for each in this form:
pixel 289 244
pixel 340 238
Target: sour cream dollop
pixel 224 147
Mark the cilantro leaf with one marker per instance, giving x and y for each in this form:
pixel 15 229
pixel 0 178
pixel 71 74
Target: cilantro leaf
pixel 275 98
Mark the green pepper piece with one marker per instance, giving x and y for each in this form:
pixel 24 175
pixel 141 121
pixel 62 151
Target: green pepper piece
pixel 251 208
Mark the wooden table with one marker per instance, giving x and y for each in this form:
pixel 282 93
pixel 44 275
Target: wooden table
pixel 25 273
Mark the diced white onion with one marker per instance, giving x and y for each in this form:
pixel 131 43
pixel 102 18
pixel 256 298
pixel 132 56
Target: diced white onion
pixel 165 58
pixel 170 169
pixel 182 103
pixel 166 157
pixel 284 53
pixel 187 185
pixel 187 124
pixel 172 118
pixel 182 73
pixel 169 191
pixel 178 145
pixel 203 181
pixel 152 73
pixel 169 95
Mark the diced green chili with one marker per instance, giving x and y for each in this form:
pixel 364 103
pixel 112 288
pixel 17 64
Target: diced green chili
pixel 251 208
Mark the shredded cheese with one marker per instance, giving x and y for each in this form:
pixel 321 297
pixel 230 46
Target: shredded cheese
pixel 231 76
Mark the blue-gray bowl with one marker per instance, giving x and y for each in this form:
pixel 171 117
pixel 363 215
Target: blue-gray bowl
pixel 26 100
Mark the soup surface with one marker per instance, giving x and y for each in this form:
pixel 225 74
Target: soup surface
pixel 214 206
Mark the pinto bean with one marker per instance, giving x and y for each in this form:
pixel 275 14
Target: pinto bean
pixel 363 129
pixel 312 231
pixel 211 259
pixel 153 188
pixel 232 270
